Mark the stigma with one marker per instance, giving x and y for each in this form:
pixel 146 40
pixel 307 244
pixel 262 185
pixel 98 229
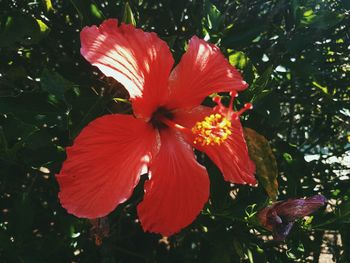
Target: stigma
pixel 216 128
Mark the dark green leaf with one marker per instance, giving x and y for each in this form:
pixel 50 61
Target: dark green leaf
pixel 54 83
pixel 22 29
pixel 259 88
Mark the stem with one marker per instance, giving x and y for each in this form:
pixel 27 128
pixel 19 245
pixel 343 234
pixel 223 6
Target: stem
pixel 121 100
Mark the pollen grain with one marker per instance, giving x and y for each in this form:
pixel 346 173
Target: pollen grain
pixel 213 130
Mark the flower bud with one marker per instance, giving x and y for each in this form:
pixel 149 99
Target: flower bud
pixel 280 216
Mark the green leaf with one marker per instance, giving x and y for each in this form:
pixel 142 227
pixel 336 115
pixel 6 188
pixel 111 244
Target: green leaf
pixel 55 84
pixel 22 29
pixel 346 4
pixel 296 6
pixel 259 88
pixel 323 88
pixel 88 11
pixel 40 150
pixel 220 254
pixel 242 36
pixel 96 108
pixel 327 20
pixel 95 11
pixel 238 248
pixel 241 61
pixel 48 5
pixel 250 256
pixel 266 166
pixel 343 212
pixel 308 17
pixel 23 213
pixel 44 29
pixel 287 157
pixel 128 16
pixel 13 133
pixel 212 21
pixel 321 20
pixel 34 108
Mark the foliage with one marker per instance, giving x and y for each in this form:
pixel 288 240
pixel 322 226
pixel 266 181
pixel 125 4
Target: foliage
pixel 295 56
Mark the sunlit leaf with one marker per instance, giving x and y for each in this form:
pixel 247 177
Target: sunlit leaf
pixel 321 20
pixel 308 17
pixel 88 11
pixel 128 15
pixel 259 88
pixel 241 61
pixel 48 5
pixel 95 11
pixel 44 29
pixel 22 29
pixel 212 21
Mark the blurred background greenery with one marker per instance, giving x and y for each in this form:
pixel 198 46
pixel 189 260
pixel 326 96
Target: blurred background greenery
pixel 293 53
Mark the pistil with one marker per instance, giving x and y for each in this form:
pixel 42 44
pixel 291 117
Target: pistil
pixel 216 128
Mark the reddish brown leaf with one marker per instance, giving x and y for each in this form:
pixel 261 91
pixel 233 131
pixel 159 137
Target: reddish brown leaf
pixel 266 167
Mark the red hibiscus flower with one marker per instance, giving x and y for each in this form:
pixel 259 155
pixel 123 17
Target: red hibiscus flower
pixel 106 160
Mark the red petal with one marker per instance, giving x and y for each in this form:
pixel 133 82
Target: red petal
pixel 231 157
pixel 177 190
pixel 202 71
pixel 104 164
pixel 139 60
pixel 293 209
pixel 289 210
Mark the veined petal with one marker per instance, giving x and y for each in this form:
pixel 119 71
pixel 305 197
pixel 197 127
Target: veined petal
pixel 139 60
pixel 293 209
pixel 202 71
pixel 231 156
pixel 104 164
pixel 177 189
pixel 280 216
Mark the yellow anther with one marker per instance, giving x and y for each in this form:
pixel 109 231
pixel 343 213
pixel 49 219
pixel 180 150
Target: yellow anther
pixel 214 129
